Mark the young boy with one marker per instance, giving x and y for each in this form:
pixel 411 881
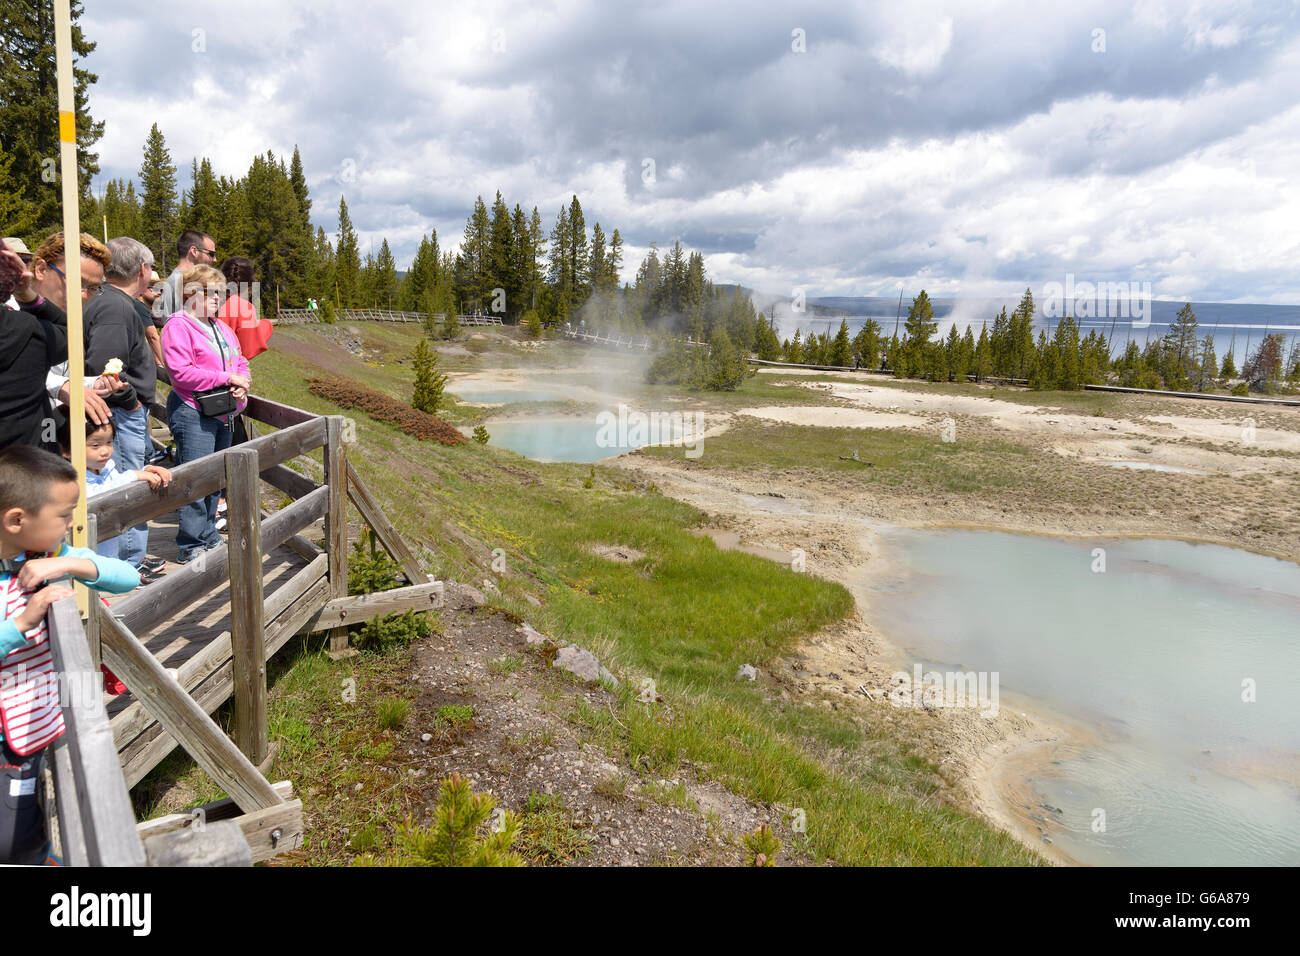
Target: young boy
pixel 102 474
pixel 38 492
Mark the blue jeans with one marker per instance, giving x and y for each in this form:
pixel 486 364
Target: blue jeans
pixel 131 446
pixel 196 435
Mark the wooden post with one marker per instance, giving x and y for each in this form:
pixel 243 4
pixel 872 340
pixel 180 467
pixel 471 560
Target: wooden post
pixel 92 600
pixel 336 527
pixel 244 544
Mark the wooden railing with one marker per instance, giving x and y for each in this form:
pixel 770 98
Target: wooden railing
pixel 303 316
pixel 172 708
pixel 627 343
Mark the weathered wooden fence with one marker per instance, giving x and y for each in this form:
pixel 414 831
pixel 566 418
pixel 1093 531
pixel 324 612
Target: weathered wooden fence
pixel 305 316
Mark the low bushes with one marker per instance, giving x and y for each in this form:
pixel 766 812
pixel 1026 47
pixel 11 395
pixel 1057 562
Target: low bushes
pixel 349 394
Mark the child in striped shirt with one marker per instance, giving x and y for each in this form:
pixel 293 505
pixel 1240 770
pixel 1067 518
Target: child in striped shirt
pixel 38 492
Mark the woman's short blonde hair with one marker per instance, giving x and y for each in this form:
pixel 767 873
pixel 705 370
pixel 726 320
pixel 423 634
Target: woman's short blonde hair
pixel 202 276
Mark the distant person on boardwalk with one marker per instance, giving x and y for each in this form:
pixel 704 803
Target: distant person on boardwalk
pixel 202 356
pixel 194 249
pixel 38 492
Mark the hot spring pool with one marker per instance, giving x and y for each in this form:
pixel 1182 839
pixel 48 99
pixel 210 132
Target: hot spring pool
pixel 1181 657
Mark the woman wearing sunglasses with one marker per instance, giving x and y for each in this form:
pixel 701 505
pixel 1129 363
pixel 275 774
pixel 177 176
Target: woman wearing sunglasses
pixel 210 384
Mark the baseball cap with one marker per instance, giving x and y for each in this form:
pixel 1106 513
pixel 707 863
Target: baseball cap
pixel 17 245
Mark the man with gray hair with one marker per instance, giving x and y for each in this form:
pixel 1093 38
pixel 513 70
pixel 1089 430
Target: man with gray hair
pixel 115 330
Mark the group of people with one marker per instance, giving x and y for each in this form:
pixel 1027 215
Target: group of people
pixel 200 326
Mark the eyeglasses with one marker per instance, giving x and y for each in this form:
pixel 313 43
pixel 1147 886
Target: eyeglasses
pixel 212 253
pixel 92 290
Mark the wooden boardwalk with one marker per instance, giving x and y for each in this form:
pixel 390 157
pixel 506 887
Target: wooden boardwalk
pixel 180 644
pixel 202 635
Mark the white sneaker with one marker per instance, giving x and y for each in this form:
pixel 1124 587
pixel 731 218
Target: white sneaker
pixel 221 523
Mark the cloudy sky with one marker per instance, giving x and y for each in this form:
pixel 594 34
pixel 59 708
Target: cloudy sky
pixel 845 149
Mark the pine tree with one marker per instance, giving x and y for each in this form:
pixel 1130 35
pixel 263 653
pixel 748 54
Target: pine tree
pixel 500 264
pixel 1263 367
pixel 347 261
pixel 920 326
pixel 727 366
pixel 1229 370
pixel 29 114
pixel 204 198
pixel 841 348
pixel 1208 364
pixel 429 382
pixel 794 351
pixel 454 837
pixel 158 200
pixel 385 277
pixel 1179 346
pixel 18 215
pixel 614 260
pixel 577 252
pixel 324 273
pixel 983 355
pixel 596 264
pixel 1021 332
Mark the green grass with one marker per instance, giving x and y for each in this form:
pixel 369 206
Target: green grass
pixel 547 835
pixel 392 712
pixel 685 617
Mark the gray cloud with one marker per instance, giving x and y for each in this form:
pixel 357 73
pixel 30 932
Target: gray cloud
pixel 930 141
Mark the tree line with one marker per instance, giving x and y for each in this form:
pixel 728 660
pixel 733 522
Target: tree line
pixel 1180 360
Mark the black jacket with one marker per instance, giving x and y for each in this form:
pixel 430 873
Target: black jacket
pixel 113 330
pixel 31 340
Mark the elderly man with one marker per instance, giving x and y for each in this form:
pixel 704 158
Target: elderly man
pixel 195 249
pixel 115 330
pixel 33 340
pixel 147 298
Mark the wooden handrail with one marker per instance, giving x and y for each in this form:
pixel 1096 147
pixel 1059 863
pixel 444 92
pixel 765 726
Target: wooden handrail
pixel 137 503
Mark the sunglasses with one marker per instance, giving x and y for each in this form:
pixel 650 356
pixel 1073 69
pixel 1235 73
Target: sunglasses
pixel 93 289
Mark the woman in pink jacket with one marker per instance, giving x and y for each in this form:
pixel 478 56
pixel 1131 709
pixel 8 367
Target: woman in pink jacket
pixel 201 353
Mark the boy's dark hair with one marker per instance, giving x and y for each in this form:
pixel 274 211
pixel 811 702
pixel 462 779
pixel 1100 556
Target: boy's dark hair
pixel 63 431
pixel 26 474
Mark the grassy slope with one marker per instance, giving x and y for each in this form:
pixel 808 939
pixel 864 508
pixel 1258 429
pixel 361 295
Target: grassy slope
pixel 685 616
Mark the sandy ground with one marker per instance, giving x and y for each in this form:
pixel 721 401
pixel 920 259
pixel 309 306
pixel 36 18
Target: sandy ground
pixel 849 664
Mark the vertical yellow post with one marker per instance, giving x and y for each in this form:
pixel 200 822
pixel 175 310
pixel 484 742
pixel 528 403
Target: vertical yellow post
pixel 72 246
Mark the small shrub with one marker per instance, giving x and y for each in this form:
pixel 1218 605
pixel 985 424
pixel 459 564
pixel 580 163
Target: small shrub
pixel 1241 388
pixel 761 847
pixel 481 434
pixel 429 382
pixel 590 480
pixel 532 322
pixel 365 839
pixel 392 712
pixel 453 839
pixel 370 569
